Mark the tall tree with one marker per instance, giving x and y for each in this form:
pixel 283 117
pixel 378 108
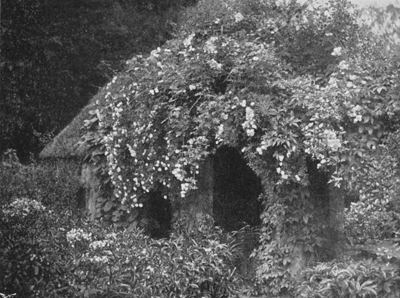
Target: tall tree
pixel 56 54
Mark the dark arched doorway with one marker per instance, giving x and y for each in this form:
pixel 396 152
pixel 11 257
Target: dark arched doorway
pixel 236 191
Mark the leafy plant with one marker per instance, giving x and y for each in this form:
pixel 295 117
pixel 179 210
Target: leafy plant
pixel 375 216
pixel 33 248
pixel 118 263
pixel 46 55
pixel 52 183
pixel 370 222
pixel 352 280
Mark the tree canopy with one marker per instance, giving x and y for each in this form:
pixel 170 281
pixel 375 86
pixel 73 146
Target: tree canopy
pixel 56 54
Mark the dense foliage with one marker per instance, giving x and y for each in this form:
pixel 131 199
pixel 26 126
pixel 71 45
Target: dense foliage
pixel 34 248
pixel 185 265
pixel 56 54
pixel 52 183
pixel 45 254
pixel 362 279
pixel 309 98
pixel 298 90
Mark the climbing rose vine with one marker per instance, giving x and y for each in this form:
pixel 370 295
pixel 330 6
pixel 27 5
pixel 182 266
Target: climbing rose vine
pixel 284 83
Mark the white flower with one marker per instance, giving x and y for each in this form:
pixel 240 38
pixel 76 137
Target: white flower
pixel 188 41
pixel 219 133
pixel 250 132
pixel 358 118
pixel 210 46
pixel 249 114
pixel 214 64
pixel 22 207
pixel 243 103
pixel 333 81
pixel 99 244
pixel 178 173
pixel 343 65
pixel 78 234
pixel 337 51
pixel 131 151
pixel 96 259
pixel 238 17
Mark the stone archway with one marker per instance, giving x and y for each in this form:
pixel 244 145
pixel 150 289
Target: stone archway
pixel 227 190
pixel 158 214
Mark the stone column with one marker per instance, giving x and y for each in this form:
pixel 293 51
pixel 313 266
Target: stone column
pixel 199 202
pixel 92 186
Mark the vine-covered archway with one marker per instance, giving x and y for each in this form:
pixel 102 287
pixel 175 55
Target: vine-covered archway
pixel 236 191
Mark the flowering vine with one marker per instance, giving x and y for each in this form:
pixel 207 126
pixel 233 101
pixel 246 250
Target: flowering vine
pixel 282 84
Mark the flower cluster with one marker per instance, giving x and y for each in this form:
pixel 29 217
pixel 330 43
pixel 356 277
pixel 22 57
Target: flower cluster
pixel 7 296
pixel 99 259
pixel 23 207
pixel 337 51
pixel 250 124
pixel 100 244
pixel 355 113
pixel 321 141
pixel 76 235
pixel 230 85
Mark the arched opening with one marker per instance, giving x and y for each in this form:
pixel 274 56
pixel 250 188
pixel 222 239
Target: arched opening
pixel 236 191
pixel 158 216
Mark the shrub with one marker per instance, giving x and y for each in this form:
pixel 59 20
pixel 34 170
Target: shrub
pixel 376 215
pixel 365 222
pixel 362 279
pixel 7 296
pixel 33 249
pixel 109 263
pixel 53 183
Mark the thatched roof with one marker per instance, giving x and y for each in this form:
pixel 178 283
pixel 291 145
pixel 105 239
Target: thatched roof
pixel 64 145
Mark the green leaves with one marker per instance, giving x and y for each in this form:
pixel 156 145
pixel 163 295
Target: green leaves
pixel 292 88
pixel 128 262
pixel 362 279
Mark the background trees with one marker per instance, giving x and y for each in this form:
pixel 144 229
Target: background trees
pixel 56 54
